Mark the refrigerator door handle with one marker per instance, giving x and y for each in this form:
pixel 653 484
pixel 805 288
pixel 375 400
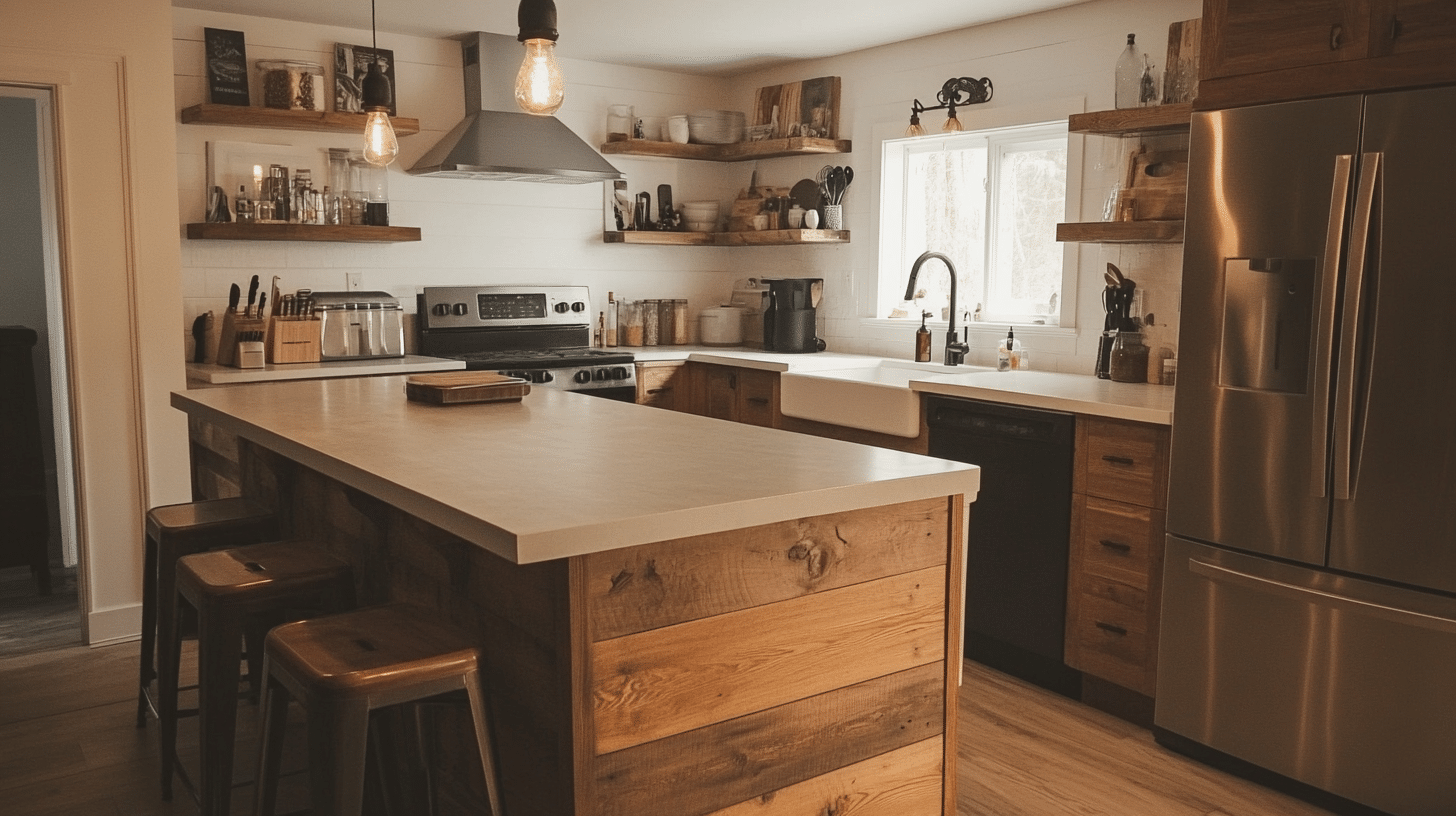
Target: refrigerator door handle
pixel 1324 342
pixel 1345 390
pixel 1258 583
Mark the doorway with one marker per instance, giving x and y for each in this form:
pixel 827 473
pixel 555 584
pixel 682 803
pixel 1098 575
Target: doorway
pixel 34 616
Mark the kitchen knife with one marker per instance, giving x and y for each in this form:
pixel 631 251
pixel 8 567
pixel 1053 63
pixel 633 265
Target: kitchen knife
pixel 252 296
pixel 234 295
pixel 262 299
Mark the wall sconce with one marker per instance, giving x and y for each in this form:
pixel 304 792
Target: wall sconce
pixel 540 88
pixel 377 97
pixel 955 91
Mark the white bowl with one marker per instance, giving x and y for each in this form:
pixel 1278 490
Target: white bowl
pixel 702 226
pixel 716 126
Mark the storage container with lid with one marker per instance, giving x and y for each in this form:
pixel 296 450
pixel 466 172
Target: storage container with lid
pixel 292 85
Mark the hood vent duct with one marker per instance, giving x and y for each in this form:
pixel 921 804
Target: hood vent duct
pixel 495 142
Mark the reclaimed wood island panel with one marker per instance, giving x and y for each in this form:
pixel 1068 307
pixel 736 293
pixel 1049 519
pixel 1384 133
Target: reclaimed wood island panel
pixel 679 615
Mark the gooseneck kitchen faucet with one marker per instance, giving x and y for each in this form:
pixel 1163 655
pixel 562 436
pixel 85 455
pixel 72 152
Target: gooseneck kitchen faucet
pixel 955 350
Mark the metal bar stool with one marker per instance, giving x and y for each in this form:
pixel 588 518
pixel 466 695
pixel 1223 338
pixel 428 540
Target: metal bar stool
pixel 341 667
pixel 175 530
pixel 233 590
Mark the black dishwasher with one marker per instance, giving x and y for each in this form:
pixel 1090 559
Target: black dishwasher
pixel 1016 561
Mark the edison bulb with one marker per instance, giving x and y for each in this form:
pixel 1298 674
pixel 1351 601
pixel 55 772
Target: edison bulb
pixel 380 143
pixel 539 86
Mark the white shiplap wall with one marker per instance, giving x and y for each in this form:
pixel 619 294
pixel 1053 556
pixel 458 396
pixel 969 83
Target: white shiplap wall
pixel 473 231
pixel 506 232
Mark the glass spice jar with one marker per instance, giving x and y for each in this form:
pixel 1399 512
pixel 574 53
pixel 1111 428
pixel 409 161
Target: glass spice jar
pixel 292 85
pixel 649 323
pixel 680 322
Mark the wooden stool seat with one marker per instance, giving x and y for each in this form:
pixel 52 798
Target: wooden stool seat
pixel 256 586
pixel 175 530
pixel 341 667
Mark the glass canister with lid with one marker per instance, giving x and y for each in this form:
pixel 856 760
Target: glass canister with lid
pixel 292 85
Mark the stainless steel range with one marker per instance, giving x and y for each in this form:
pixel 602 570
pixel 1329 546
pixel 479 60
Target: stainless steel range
pixel 539 333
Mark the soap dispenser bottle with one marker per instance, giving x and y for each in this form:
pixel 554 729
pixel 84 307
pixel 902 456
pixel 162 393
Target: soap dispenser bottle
pixel 922 341
pixel 1009 356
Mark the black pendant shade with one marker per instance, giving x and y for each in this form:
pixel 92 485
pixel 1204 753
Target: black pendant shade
pixel 376 92
pixel 537 20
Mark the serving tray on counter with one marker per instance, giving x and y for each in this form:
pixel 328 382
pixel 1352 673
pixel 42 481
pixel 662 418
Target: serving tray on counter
pixel 462 387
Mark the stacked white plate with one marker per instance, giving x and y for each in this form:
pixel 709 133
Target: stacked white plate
pixel 700 216
pixel 716 126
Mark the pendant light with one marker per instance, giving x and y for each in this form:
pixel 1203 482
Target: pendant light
pixel 380 143
pixel 540 88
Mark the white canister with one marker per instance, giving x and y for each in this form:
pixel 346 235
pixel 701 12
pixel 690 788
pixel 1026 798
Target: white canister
pixel 721 326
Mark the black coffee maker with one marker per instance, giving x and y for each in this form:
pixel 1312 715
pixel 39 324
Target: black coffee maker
pixel 788 322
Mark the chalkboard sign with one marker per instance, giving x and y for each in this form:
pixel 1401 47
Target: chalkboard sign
pixel 227 67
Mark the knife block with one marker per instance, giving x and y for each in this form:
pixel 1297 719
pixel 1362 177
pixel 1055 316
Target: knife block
pixel 234 325
pixel 293 340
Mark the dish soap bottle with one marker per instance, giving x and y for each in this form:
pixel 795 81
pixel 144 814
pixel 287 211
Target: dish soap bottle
pixel 922 341
pixel 1129 74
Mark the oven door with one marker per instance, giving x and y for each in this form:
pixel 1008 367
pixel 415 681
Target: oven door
pixel 621 393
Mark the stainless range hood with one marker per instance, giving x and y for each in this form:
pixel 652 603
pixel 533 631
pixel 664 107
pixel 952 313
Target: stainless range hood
pixel 496 142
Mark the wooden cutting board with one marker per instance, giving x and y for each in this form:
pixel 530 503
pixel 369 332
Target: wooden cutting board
pixel 809 103
pixel 460 387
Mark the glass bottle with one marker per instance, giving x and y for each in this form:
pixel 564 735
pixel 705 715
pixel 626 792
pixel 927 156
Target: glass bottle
pixel 631 316
pixel 665 327
pixel 610 330
pixel 1129 74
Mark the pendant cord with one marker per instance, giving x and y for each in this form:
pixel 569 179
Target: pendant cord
pixel 374 31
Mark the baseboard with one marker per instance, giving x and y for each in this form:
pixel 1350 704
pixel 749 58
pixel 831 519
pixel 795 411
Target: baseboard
pixel 118 624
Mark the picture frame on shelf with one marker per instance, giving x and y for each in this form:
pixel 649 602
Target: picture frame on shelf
pixel 351 63
pixel 227 67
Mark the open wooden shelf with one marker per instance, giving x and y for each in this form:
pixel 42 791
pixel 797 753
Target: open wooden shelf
pixel 741 151
pixel 1133 121
pixel 276 118
pixel 1122 232
pixel 758 238
pixel 348 233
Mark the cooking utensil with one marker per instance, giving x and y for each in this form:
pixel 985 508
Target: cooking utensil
pixel 234 295
pixel 199 338
pixel 252 296
pixel 806 194
pixel 262 301
pixel 848 177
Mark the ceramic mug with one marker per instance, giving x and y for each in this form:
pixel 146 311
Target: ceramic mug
pixel 811 219
pixel 677 129
pixel 760 221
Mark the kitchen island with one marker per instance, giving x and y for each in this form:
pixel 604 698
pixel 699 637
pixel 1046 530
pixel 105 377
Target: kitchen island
pixel 679 615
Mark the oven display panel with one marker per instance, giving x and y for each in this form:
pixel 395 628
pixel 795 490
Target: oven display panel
pixel 512 306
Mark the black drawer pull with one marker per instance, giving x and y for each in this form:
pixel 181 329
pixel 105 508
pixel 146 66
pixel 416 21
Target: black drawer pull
pixel 1109 627
pixel 758 400
pixel 1119 460
pixel 659 390
pixel 1116 545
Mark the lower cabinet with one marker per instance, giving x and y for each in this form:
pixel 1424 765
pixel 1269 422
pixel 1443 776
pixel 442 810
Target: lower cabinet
pixel 734 393
pixel 662 384
pixel 1114 576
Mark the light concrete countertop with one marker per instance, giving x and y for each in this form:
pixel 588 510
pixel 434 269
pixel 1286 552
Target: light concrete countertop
pixel 559 474
pixel 408 364
pixel 1074 393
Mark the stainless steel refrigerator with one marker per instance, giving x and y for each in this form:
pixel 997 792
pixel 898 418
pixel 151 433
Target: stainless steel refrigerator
pixel 1309 595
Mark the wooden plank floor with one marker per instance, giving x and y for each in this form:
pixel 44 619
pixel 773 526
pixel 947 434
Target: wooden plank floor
pixel 69 745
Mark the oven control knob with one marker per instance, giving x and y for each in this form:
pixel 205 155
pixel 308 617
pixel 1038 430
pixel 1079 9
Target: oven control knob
pixel 582 376
pixel 462 309
pixel 562 307
pixel 578 306
pixel 619 373
pixel 544 377
pixel 440 309
pixel 601 375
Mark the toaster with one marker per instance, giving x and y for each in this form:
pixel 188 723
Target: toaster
pixel 359 325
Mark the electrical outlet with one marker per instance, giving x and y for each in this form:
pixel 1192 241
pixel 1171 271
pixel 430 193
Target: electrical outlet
pixel 353 281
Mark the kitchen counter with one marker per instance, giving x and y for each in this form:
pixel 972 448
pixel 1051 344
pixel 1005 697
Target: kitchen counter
pixel 619 474
pixel 202 374
pixel 679 615
pixel 1075 393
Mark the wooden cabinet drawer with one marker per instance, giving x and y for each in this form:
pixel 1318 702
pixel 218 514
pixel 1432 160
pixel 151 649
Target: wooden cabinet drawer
pixel 1117 540
pixel 1123 461
pixel 1111 634
pixel 658 384
pixel 758 397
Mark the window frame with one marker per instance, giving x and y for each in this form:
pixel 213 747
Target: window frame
pixel 884 283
